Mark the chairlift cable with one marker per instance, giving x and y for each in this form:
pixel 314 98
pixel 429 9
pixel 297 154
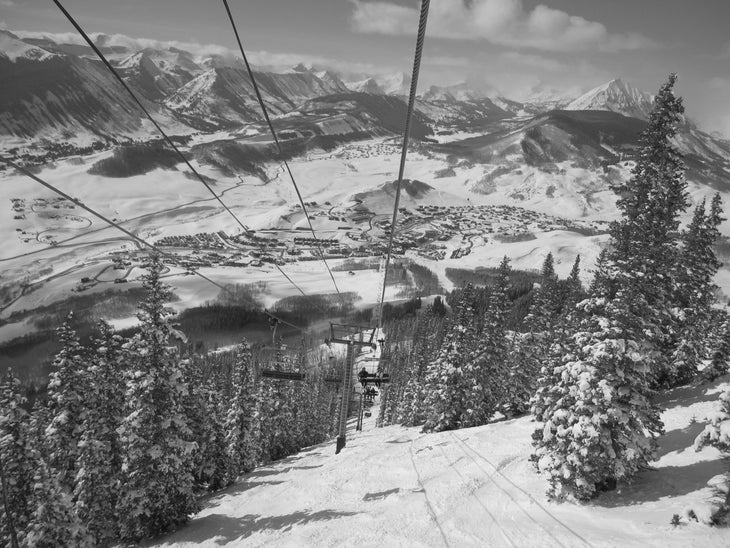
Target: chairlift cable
pixel 169 141
pixel 406 134
pixel 265 112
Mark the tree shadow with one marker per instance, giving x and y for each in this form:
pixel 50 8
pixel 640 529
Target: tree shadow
pixel 262 473
pixel 667 481
pixel 380 494
pixel 307 467
pixel 694 393
pixel 680 439
pixel 224 529
pixel 235 489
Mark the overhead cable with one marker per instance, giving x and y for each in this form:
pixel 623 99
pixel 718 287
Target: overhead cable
pixel 406 135
pixel 265 112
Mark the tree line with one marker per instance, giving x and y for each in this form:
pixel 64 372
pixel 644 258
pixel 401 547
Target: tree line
pixel 585 362
pixel 133 430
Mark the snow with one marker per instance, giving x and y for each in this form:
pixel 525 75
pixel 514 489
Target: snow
pixel 14 49
pixel 395 486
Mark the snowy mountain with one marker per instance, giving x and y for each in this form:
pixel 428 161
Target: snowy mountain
pixel 158 73
pixel 225 96
pixel 369 85
pixel 616 96
pixel 13 49
pixel 60 96
pixel 332 79
pixel 456 92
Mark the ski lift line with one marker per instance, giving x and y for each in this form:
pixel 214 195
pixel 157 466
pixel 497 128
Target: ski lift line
pixel 406 134
pixel 146 112
pixel 265 112
pixel 136 238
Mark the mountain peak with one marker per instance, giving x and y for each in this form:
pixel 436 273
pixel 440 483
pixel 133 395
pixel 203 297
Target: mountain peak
pixel 617 96
pixel 301 67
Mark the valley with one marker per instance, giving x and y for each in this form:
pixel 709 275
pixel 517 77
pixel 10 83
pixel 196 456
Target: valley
pixel 486 177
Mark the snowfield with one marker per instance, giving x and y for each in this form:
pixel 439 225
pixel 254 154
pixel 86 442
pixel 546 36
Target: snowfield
pixel 395 486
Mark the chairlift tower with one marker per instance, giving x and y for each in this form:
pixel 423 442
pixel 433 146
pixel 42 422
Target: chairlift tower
pixel 355 337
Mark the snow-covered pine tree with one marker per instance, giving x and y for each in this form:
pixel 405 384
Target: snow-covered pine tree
pixel 445 393
pixel 242 444
pixel 99 463
pixel 427 339
pixel 202 410
pixel 717 432
pixel 695 292
pixel 573 288
pixel 645 242
pixel 53 522
pixel 215 455
pixel 721 353
pixel 529 349
pixel 157 485
pixel 16 473
pixel 487 371
pixel 65 406
pixel 597 423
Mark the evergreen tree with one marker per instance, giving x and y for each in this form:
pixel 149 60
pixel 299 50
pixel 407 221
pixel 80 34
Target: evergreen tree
pixel 573 288
pixel 427 340
pixel 721 354
pixel 445 382
pixel 16 473
pixel 240 423
pixel 487 372
pixel 717 433
pixel 596 420
pixel 202 409
pixel 158 457
pixel 215 455
pixel 645 242
pixel 53 522
pixel 65 407
pixel 695 293
pixel 597 423
pixel 98 464
pixel 529 349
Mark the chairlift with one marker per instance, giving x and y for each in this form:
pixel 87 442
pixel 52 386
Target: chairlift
pixel 282 363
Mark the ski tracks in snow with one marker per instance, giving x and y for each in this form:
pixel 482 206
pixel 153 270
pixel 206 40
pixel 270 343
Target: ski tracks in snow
pixel 511 516
pixel 554 532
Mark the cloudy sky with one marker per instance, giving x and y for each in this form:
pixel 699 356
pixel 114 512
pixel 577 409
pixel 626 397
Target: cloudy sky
pixel 519 47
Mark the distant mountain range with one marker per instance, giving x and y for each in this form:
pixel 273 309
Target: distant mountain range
pixel 60 92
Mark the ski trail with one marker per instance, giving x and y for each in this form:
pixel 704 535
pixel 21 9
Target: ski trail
pixel 431 510
pixel 468 448
pixel 479 501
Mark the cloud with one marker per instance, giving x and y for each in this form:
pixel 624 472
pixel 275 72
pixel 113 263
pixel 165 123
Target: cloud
pixel 719 82
pixel 501 22
pixel 262 59
pixel 533 61
pixel 447 60
pixel 7 3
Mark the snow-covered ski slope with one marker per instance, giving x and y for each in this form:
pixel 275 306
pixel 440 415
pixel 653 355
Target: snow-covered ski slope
pixel 395 486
